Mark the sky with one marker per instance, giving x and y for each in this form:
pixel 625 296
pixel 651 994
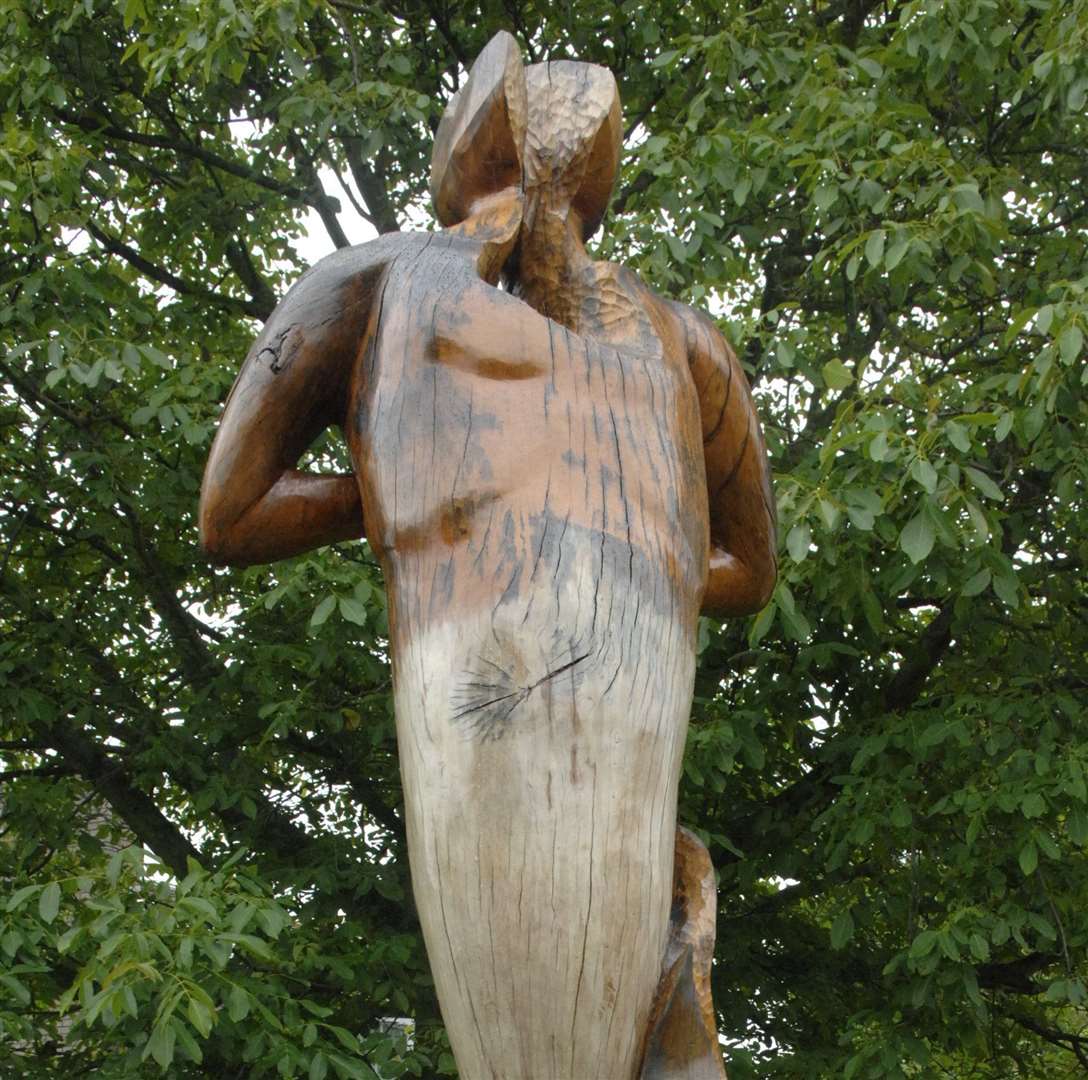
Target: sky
pixel 316 244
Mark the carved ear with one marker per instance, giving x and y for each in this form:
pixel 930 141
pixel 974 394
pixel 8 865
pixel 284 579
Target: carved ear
pixel 602 167
pixel 478 146
pixel 575 135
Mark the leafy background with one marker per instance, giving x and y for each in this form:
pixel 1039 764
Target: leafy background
pixel 884 202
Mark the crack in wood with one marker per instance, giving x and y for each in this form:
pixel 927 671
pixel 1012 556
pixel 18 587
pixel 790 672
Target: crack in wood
pixel 492 725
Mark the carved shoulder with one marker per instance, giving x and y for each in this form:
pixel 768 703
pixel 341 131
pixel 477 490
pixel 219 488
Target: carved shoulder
pixel 292 386
pixel 330 305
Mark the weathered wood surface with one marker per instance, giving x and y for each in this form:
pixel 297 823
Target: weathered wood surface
pixel 555 477
pixel 682 1036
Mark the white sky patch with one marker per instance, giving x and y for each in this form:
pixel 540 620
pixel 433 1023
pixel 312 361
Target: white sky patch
pixel 316 243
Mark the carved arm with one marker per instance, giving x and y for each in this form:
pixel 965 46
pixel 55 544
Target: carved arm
pixel 743 542
pixel 255 506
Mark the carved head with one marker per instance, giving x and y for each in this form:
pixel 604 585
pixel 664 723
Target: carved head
pixel 553 130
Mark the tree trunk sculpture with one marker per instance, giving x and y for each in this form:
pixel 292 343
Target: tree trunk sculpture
pixel 557 476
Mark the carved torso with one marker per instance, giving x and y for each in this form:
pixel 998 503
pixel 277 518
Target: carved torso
pixel 536 493
pixel 493 441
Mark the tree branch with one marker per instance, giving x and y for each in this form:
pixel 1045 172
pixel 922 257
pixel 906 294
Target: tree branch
pixel 1015 976
pixel 380 209
pixel 162 142
pixel 339 771
pixel 179 285
pixel 326 206
pixel 905 686
pixel 133 806
pixel 1075 1044
pixel 623 196
pixel 240 262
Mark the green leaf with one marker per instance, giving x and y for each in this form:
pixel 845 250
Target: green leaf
pixel 323 611
pixel 923 944
pixel 156 356
pixel 798 541
pixel 1033 805
pixel 161 1044
pixel 20 896
pixel 894 255
pixel 272 919
pixel 836 374
pixel 871 609
pixel 1057 991
pixel 252 944
pixel 924 473
pixel 1070 343
pixel 352 610
pixel 874 247
pixel 980 947
pixel 200 1016
pixel 917 537
pixel 16 988
pixel 958 437
pixel 976 583
pixel 829 514
pixel 186 1041
pixel 901 815
pixel 237 1004
pixel 967 197
pixel 842 929
pixel 984 484
pixel 948 945
pixel 1008 589
pixel 199 906
pixel 345 1038
pixel 970 983
pixel 824 197
pixel 1029 858
pixel 794 622
pixel 10 942
pixel 1046 843
pixel 49 902
pixel 1077 826
pixel 761 624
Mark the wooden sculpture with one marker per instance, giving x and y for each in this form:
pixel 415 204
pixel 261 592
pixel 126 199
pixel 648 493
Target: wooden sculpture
pixel 556 476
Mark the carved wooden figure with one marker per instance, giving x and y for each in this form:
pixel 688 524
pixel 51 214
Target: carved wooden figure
pixel 557 477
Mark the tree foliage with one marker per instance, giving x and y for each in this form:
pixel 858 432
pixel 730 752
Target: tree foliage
pixel 885 202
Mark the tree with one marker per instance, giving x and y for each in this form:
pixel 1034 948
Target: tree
pixel 884 202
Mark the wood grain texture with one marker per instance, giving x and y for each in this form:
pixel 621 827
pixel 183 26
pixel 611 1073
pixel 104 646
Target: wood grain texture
pixel 556 476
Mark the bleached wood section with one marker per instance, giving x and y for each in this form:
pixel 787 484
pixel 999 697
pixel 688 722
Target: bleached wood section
pixel 542 857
